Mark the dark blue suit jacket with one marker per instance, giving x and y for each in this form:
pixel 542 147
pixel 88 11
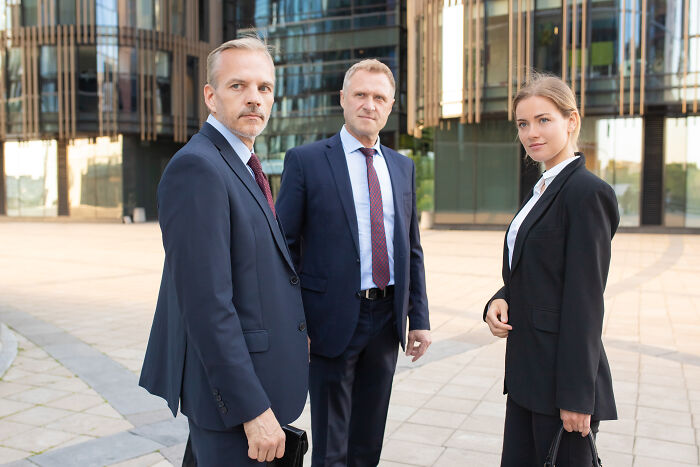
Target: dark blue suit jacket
pixel 229 334
pixel 316 208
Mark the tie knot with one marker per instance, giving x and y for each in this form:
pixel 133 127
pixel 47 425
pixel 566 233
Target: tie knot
pixel 368 152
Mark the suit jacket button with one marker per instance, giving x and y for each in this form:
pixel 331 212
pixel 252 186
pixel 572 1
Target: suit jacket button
pixel 221 404
pixel 223 410
pixel 302 326
pixel 215 391
pixel 218 397
pixel 294 280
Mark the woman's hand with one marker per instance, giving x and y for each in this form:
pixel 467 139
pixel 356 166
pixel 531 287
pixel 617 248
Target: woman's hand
pixel 574 421
pixel 497 318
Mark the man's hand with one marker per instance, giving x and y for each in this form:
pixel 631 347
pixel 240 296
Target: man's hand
pixel 265 437
pixel 575 421
pixel 497 318
pixel 420 337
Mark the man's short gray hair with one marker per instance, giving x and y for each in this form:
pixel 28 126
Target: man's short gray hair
pixel 372 65
pixel 249 42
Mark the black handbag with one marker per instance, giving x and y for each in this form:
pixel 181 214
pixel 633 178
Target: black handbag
pixel 551 459
pixel 295 446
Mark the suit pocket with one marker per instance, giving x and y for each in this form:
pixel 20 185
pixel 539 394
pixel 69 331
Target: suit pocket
pixel 257 341
pixel 546 320
pixel 317 284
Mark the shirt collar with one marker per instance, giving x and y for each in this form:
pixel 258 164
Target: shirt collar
pixel 548 175
pixel 238 146
pixel 351 144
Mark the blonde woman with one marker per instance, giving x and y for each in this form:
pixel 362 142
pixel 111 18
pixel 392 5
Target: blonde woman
pixel 550 309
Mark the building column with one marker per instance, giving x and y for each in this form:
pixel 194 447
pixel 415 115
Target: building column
pixel 3 202
pixel 63 204
pixel 653 171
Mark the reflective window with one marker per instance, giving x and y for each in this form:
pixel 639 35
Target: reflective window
pixel 163 83
pixel 177 17
pixel 87 79
pixel 31 178
pixel 95 177
pixel 106 13
pixel 15 70
pixel 546 40
pixel 48 79
pixel 29 13
pixel 613 150
pixel 682 172
pixel 127 89
pixel 496 47
pixel 191 88
pixel 65 11
pixel 145 16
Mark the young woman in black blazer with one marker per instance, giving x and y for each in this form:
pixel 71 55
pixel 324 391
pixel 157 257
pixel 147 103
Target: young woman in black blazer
pixel 550 309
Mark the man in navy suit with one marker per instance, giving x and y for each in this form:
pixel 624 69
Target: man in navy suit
pixel 348 207
pixel 229 335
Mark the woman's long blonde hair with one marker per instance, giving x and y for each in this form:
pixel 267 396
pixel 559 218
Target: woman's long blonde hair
pixel 557 91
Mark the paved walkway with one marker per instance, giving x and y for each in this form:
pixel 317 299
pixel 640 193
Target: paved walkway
pixel 80 298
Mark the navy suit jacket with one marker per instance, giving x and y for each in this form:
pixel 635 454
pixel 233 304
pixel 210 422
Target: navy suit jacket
pixel 229 334
pixel 316 208
pixel 554 354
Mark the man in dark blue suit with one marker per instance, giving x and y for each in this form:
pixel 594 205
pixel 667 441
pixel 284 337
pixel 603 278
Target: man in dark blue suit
pixel 348 206
pixel 229 335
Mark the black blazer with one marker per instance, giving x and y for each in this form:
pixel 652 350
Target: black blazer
pixel 554 353
pixel 316 209
pixel 229 335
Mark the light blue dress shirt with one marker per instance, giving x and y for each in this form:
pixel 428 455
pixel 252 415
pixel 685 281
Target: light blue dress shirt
pixel 238 146
pixel 357 166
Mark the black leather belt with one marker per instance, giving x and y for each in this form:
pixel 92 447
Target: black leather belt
pixel 376 294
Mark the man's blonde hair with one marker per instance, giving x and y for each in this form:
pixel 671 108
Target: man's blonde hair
pixel 558 92
pixel 373 66
pixel 248 42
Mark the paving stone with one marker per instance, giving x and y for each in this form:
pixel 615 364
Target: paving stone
pixel 38 439
pixel 666 450
pixel 425 434
pixel 452 457
pixel 439 418
pixel 76 402
pixel 8 407
pixel 411 453
pixel 9 455
pixel 38 395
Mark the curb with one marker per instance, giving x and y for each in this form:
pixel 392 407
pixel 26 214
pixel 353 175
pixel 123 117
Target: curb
pixel 8 348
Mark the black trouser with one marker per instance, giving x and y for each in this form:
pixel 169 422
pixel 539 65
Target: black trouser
pixel 350 393
pixel 208 448
pixel 527 436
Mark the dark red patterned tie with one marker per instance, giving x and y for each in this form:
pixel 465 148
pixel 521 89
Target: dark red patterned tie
pixel 260 177
pixel 380 257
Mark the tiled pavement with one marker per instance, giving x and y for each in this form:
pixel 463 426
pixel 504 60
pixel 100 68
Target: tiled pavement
pixel 80 298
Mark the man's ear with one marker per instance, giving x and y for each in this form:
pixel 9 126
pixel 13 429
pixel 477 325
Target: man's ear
pixel 342 99
pixel 209 98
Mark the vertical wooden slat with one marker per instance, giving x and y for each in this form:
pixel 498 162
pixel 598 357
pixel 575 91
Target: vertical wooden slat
pixel 519 47
pixel 100 95
pixel 697 57
pixel 622 58
pixel 59 79
pixel 410 67
pixel 584 53
pixel 36 98
pixel 528 41
pixel 477 81
pixel 574 19
pixel 684 98
pixel 3 122
pixel 141 98
pixel 643 61
pixel 23 48
pixel 510 59
pixel 633 53
pixel 468 7
pixel 564 39
pixel 73 96
pixel 466 63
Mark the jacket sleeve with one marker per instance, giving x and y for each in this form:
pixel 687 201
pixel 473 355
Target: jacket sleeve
pixel 593 220
pixel 194 216
pixel 417 296
pixel 291 204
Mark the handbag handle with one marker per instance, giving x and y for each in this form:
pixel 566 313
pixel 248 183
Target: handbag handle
pixel 551 459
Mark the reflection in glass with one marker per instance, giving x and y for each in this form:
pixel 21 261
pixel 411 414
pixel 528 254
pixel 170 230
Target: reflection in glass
pixel 106 13
pixel 48 79
pixel 613 150
pixel 15 70
pixel 31 178
pixel 29 13
pixel 682 172
pixel 163 83
pixel 95 177
pixel 453 60
pixel 87 79
pixel 127 84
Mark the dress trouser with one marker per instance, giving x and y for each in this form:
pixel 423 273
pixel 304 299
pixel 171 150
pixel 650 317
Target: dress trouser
pixel 350 393
pixel 219 448
pixel 527 436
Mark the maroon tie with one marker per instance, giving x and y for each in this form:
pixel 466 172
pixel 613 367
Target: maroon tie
pixel 380 257
pixel 260 177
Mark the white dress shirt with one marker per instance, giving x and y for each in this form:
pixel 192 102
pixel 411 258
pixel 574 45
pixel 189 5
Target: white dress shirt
pixel 547 177
pixel 357 167
pixel 238 146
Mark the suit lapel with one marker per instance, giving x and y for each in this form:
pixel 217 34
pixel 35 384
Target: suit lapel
pixel 240 170
pixel 540 208
pixel 339 168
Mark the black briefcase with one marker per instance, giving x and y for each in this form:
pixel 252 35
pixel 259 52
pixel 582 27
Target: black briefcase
pixel 295 446
pixel 554 450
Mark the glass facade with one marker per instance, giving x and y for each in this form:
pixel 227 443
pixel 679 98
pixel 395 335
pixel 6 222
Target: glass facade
pixel 316 41
pixel 613 150
pixel 95 177
pixel 31 178
pixel 682 172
